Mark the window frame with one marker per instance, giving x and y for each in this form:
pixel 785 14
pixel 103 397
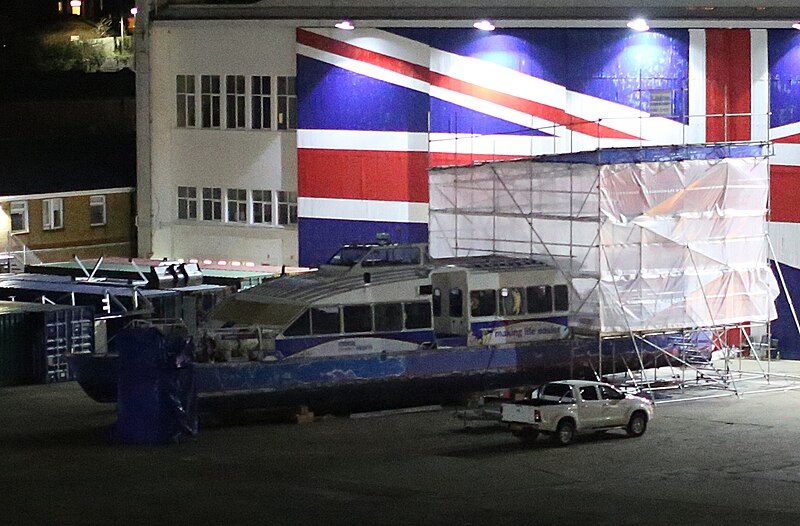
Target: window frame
pixel 512 301
pixel 286 207
pixel 324 315
pixel 210 102
pixel 189 200
pixel 482 303
pixel 357 319
pixel 25 212
pixel 236 206
pixel 215 204
pixel 455 302
pixel 235 102
pixel 388 317
pixel 186 99
pixel 411 308
pixel 103 203
pixel 268 205
pixel 286 94
pixel 49 213
pixel 544 303
pixel 560 298
pixel 260 102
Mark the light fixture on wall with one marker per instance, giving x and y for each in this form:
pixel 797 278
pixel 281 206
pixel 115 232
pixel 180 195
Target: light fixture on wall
pixel 639 24
pixel 345 24
pixel 796 25
pixel 483 25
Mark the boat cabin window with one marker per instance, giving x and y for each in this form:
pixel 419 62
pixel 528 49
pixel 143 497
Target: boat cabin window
pixel 348 256
pixel 388 317
pixel 388 256
pixel 436 302
pixel 357 318
pixel 482 302
pixel 540 299
pixel 511 301
pixel 300 327
pixel 561 297
pixel 325 320
pixel 456 307
pixel 418 315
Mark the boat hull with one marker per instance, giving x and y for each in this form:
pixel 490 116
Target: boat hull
pixel 380 380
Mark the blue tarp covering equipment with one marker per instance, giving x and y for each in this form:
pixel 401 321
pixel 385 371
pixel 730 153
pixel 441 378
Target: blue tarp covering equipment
pixel 157 397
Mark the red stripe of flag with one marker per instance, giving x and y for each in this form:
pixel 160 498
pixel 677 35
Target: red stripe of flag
pixel 728 84
pixel 363 174
pixel 789 139
pixel 417 72
pixel 784 187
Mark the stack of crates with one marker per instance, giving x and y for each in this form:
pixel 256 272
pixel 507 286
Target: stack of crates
pixel 36 340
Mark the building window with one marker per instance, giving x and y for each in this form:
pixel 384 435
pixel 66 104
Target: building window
pixel 209 101
pixel 19 216
pixel 187 202
pixel 287 208
pixel 186 100
pixel 262 207
pixel 52 213
pixel 212 204
pixel 234 89
pixel 237 205
pixel 97 210
pixel 261 89
pixel 287 104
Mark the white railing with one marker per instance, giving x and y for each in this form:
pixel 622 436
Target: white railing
pixel 16 254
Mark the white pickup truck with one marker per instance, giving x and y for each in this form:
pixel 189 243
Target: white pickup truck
pixel 567 407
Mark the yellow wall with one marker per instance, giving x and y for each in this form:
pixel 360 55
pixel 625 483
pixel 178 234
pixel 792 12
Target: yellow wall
pixel 115 238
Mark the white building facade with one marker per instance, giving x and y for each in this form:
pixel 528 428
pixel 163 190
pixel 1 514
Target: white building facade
pixel 217 142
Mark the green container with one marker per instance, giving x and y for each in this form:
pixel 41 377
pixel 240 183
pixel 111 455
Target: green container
pixel 17 343
pixel 36 340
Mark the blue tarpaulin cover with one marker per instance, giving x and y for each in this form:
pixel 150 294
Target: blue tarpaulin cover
pixel 157 398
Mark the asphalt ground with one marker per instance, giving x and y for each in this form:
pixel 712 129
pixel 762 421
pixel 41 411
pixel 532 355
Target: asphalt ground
pixel 719 459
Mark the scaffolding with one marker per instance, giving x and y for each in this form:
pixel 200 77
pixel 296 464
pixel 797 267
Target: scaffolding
pixel 654 240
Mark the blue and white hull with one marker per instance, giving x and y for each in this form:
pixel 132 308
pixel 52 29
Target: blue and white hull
pixel 380 380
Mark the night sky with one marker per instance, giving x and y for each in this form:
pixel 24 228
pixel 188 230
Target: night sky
pixel 22 20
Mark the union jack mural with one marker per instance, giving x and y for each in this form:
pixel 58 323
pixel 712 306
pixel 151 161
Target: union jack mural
pixel 377 108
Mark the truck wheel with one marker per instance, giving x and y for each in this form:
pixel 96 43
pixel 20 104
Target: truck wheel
pixel 565 432
pixel 637 425
pixel 526 435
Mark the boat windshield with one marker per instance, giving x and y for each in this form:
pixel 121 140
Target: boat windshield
pixel 348 256
pixel 388 256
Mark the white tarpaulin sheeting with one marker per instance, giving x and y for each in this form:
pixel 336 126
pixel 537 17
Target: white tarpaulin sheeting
pixel 648 245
